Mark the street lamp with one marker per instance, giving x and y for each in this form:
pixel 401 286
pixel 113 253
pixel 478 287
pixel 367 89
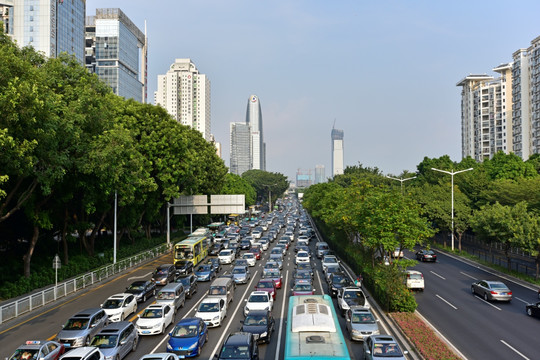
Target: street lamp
pixel 269 196
pixel 401 180
pixel 452 173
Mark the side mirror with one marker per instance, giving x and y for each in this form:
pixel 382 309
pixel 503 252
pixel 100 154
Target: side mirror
pixel 241 321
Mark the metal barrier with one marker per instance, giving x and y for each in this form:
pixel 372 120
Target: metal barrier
pixel 49 295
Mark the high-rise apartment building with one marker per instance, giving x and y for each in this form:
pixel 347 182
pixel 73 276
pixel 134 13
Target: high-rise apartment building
pixel 337 152
pixel 185 93
pixel 486 114
pixel 240 148
pixel 114 46
pixel 254 120
pixel 320 176
pixel 49 26
pixel 304 178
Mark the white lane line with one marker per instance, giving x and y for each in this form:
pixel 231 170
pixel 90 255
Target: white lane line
pixel 434 273
pixel 487 302
pixel 437 295
pixel 520 299
pixel 467 275
pixel 166 336
pixel 514 349
pixel 448 342
pixel 139 277
pixel 320 283
pixel 285 301
pixel 241 302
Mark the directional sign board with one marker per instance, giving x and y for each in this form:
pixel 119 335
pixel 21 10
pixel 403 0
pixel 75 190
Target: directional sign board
pixel 227 204
pixel 56 262
pixel 193 204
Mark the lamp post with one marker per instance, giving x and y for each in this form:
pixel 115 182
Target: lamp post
pixel 270 196
pixel 401 180
pixel 452 173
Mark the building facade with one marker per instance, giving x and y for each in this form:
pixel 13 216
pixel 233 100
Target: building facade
pixel 304 178
pixel 240 152
pixel 113 48
pixel 320 175
pixel 254 120
pixel 49 26
pixel 337 152
pixel 185 93
pixel 6 16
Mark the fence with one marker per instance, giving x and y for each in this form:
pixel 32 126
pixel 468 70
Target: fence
pixel 31 302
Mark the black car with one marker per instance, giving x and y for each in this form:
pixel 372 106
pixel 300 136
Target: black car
pixel 240 345
pixel 426 255
pixel 190 284
pixel 164 274
pixel 215 264
pixel 142 290
pixel 183 267
pixel 260 323
pixel 245 245
pixel 215 249
pixel 339 281
pixel 533 309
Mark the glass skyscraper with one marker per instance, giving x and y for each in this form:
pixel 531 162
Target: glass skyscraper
pixel 240 148
pixel 254 120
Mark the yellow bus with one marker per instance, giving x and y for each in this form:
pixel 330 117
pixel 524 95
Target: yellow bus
pixel 193 249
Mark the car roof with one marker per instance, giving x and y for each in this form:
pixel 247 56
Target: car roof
pixel 157 306
pixel 189 321
pixel 258 293
pixel 238 338
pixel 115 327
pixel 164 266
pixel 119 296
pixel 383 339
pixel 88 312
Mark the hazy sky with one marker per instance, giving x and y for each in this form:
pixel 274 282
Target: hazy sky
pixel 384 71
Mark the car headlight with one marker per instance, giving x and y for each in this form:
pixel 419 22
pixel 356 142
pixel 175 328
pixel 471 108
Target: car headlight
pixel 78 342
pixel 193 346
pixel 356 332
pixel 169 347
pixel 109 357
pixel 216 318
pixel 264 334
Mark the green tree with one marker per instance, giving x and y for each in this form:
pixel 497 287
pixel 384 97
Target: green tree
pixel 509 166
pixel 265 182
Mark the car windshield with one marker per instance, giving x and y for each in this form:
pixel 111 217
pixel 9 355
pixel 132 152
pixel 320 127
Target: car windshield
pixel 209 307
pixel 234 352
pixel 498 286
pixel 300 254
pixel 384 350
pixel 152 313
pixel 25 354
pixel 184 281
pixel 339 279
pixel 136 287
pixel 225 253
pixel 265 285
pixel 76 324
pixel 204 268
pixel 362 319
pixel 303 275
pixel 330 260
pixel 258 298
pixel 272 274
pixel 112 304
pixel 239 271
pixel 248 256
pixel 302 287
pixel 218 290
pixel 353 295
pixel 105 341
pixel 252 320
pixel 165 295
pixel 184 331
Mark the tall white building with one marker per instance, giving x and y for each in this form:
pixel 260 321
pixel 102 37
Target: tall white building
pixel 254 120
pixel 185 93
pixel 337 152
pixel 320 176
pixel 486 114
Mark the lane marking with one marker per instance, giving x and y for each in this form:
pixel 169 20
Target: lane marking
pixel 440 276
pixel 487 302
pixel 520 299
pixel 467 275
pixel 278 345
pixel 140 277
pixel 514 349
pixel 448 303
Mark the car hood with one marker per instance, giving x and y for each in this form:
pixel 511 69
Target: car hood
pixel 149 322
pixel 207 315
pixel 255 329
pixel 239 276
pixel 72 334
pixel 202 273
pixel 109 352
pixel 365 327
pixel 183 342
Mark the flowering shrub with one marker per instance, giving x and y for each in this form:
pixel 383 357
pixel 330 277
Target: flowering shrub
pixel 423 337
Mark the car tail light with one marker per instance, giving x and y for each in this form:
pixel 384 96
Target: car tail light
pixel 494 292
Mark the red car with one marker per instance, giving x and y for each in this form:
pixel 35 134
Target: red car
pixel 268 286
pixel 275 275
pixel 256 251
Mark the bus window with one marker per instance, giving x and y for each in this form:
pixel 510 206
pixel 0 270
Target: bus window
pixel 197 249
pixel 184 253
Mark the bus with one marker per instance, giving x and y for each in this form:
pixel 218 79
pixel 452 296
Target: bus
pixel 217 227
pixel 234 219
pixel 194 249
pixel 313 330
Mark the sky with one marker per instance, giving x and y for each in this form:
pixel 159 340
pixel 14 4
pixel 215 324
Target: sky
pixel 385 72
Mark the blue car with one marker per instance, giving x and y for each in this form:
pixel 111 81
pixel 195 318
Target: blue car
pixel 188 337
pixel 205 272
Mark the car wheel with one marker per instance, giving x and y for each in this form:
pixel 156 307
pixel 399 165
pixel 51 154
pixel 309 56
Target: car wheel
pixel 198 350
pixel 163 329
pixel 134 344
pixel 529 312
pixel 486 296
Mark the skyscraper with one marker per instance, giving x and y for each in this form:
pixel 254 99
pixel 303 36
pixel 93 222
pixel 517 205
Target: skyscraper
pixel 320 176
pixel 185 93
pixel 254 120
pixel 50 26
pixel 113 45
pixel 337 152
pixel 240 148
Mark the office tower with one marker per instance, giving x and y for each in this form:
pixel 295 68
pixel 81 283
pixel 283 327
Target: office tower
pixel 240 148
pixel 337 152
pixel 113 48
pixel 185 93
pixel 50 26
pixel 254 120
pixel 320 176
pixel 304 178
pixel 486 108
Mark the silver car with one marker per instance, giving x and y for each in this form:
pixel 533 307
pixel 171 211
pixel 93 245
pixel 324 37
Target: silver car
pixel 241 274
pixel 491 290
pixel 116 340
pixel 80 328
pixel 361 323
pixel 382 347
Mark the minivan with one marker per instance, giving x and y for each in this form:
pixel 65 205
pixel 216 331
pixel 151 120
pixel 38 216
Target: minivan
pixel 172 294
pixel 415 280
pixel 223 288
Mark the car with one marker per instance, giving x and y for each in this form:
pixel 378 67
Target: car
pixel 277 250
pixel 38 350
pixel 414 280
pixel 284 243
pixel 382 347
pixel 215 249
pixel 160 356
pixel 281 247
pixel 241 274
pixel 164 274
pixel 212 310
pixel 258 300
pixel 214 262
pixel 492 290
pixel 183 267
pixel 239 345
pixel 256 234
pixel 302 257
pixel 120 306
pixel 264 243
pixel 205 272
pixel 303 238
pixel 116 340
pixel 226 256
pixel 260 323
pixel 338 281
pixel 250 257
pixel 235 248
pixel 331 270
pixel 142 290
pixel 302 287
pixel 426 255
pixel 190 284
pixel 188 337
pixel 397 253
pixel 329 260
pixel 302 274
pixel 322 248
pixel 241 262
pixel 301 247
pixel 154 319
pixel 360 323
pixel 80 328
pixel 267 285
pixel 351 296
pixel 83 353
pixel 305 266
pixel 245 244
pixel 256 251
pixel 273 274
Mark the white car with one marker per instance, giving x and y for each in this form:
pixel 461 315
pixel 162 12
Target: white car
pixel 258 300
pixel 226 256
pixel 250 257
pixel 212 310
pixel 303 238
pixel 351 296
pixel 329 260
pixel 155 319
pixel 264 244
pixel 256 234
pixel 302 257
pixel 120 306
pixel 415 280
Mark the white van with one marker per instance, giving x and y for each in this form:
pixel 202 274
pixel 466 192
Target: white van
pixel 172 294
pixel 222 287
pixel 415 280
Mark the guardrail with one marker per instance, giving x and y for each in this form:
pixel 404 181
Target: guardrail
pixel 31 302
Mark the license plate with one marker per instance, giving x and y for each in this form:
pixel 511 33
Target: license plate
pixel 503 293
pixel 181 356
pixel 67 345
pixel 146 332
